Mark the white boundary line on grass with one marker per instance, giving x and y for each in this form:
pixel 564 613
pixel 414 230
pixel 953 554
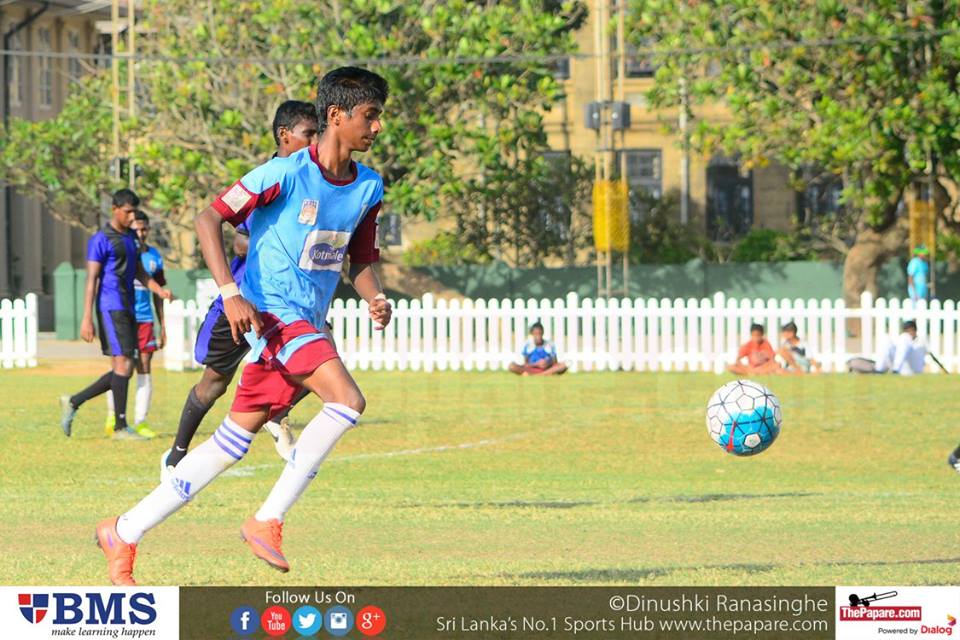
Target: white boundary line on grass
pixel 249 470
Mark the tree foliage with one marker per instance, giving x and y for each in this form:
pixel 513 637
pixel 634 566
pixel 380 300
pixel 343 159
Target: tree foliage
pixel 459 130
pixel 864 90
pixel 64 162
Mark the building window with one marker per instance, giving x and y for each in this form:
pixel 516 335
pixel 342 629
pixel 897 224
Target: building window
pixel 820 197
pixel 644 177
pixel 561 69
pixel 639 65
pixel 729 199
pixel 555 211
pixel 45 64
pixel 74 67
pixel 15 72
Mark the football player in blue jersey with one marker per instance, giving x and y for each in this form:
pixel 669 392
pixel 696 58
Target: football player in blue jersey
pixel 295 127
pixel 147 340
pixel 306 214
pixel 113 264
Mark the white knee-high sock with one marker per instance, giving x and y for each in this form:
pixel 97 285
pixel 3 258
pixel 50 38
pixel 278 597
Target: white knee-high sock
pixel 204 463
pixel 142 402
pixel 313 446
pixel 109 396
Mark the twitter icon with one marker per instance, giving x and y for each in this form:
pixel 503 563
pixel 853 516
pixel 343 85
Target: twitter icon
pixel 307 620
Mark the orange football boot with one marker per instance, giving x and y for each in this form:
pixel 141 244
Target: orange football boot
pixel 265 539
pixel 120 554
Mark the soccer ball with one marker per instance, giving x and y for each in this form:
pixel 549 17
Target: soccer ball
pixel 743 417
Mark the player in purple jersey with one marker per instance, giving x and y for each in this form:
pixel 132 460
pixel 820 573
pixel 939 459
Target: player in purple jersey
pixel 306 214
pixel 294 127
pixel 145 305
pixel 113 263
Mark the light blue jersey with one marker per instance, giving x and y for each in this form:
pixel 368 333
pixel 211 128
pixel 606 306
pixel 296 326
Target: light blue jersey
pixel 533 352
pixel 920 271
pixel 302 226
pixel 153 264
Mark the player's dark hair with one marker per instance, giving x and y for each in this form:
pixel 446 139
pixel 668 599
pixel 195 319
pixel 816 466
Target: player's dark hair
pixel 141 216
pixel 290 114
pixel 536 325
pixel 909 324
pixel 125 197
pixel 790 326
pixel 348 87
pixel 757 327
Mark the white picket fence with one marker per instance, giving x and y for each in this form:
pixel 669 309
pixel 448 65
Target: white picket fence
pixel 18 332
pixel 602 334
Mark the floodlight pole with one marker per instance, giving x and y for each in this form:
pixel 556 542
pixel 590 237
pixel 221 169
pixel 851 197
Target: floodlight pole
pixel 131 86
pixel 115 83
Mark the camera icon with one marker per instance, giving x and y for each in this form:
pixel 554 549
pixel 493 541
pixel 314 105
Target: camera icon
pixel 338 620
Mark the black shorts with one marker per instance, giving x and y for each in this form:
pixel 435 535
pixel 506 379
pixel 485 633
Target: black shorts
pixel 118 333
pixel 215 347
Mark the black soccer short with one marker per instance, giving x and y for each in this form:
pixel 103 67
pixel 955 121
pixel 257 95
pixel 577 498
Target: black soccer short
pixel 215 347
pixel 118 333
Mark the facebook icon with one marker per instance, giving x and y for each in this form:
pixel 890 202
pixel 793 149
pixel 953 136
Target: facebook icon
pixel 244 621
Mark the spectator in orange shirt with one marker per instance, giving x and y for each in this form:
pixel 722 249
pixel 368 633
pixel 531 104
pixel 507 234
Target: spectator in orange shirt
pixel 756 356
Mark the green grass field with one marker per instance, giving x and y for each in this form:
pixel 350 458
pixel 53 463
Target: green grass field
pixel 489 479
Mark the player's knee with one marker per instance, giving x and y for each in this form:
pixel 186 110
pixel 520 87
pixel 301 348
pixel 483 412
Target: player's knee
pixel 123 367
pixel 355 401
pixel 209 389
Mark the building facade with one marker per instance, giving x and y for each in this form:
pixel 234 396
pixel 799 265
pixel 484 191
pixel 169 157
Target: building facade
pixel 725 199
pixel 33 242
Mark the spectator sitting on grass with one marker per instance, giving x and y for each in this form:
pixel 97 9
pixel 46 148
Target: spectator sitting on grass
pixel 756 356
pixel 794 355
pixel 905 355
pixel 539 356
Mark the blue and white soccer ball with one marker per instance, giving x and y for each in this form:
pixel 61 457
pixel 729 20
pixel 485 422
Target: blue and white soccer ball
pixel 743 417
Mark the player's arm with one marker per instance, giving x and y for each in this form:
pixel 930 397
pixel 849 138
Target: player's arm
pixel 87 331
pixel 158 308
pixel 147 280
pixel 364 251
pixel 241 244
pixel 367 284
pixel 242 315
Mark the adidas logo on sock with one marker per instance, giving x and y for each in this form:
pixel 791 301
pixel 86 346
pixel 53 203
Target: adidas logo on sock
pixel 182 487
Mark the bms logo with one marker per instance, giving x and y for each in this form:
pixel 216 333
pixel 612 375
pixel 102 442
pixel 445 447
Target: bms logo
pixel 33 606
pixel 90 608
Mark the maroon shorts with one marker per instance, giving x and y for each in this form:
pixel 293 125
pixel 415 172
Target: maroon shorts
pixel 531 370
pixel 146 342
pixel 292 351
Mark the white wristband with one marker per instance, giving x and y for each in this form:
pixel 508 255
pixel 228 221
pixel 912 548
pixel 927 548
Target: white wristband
pixel 230 290
pixel 380 296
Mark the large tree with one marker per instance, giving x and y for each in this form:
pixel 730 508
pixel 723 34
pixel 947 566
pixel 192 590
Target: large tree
pixel 470 82
pixel 864 90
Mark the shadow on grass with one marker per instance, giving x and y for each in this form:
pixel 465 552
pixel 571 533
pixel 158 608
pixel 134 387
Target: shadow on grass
pixel 630 575
pixel 572 504
pixel 626 576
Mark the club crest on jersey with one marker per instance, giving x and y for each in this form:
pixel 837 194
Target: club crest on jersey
pixel 308 211
pixel 324 250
